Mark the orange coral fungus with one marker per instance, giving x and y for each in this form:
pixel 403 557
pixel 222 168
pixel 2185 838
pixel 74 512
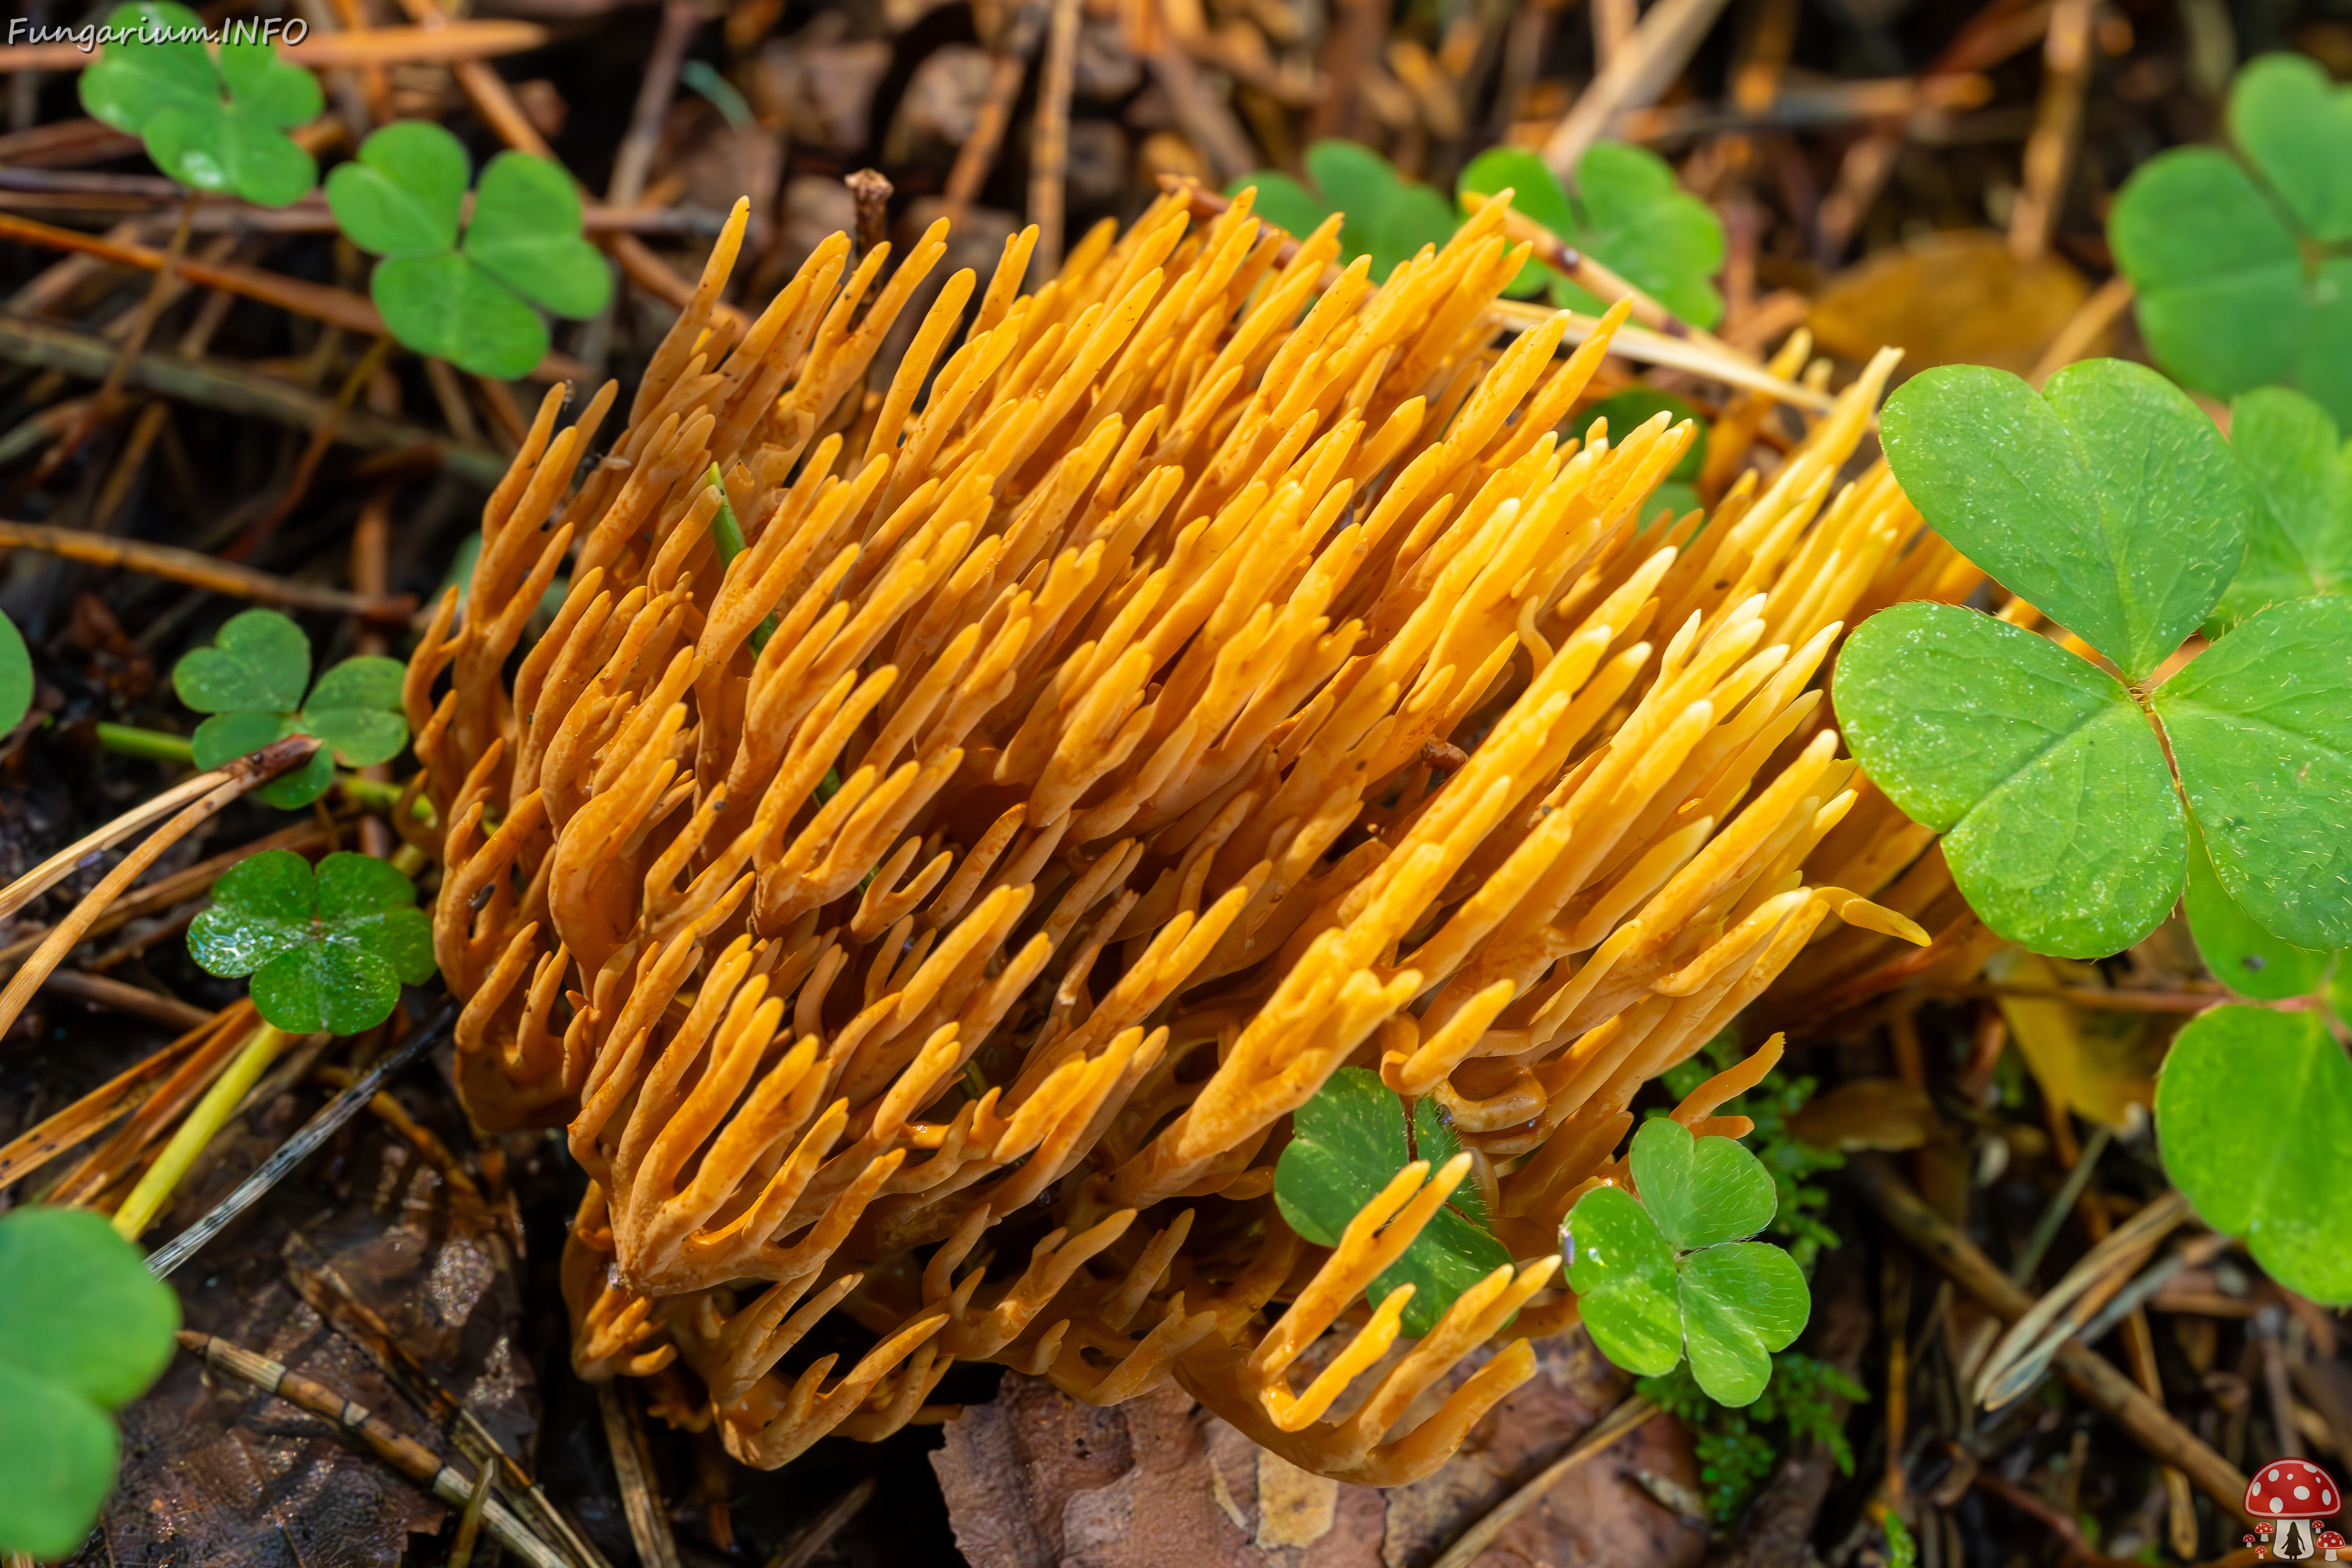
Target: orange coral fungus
pixel 1230 673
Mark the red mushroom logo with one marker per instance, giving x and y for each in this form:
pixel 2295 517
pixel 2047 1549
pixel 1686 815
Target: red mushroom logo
pixel 2289 1495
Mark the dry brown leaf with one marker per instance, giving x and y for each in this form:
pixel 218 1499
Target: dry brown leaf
pixel 1867 1113
pixel 1954 298
pixel 2096 1064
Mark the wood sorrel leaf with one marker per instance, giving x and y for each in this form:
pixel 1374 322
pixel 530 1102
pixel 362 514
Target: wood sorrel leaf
pixel 1347 1142
pixel 1640 222
pixel 402 195
pixel 1627 211
pixel 2242 956
pixel 2296 126
pixel 251 683
pixel 84 1329
pixel 2235 255
pixel 2107 500
pixel 2260 726
pixel 2250 1112
pixel 2061 824
pixel 446 306
pixel 15 675
pixel 526 234
pixel 212 127
pixel 1741 1301
pixel 1622 1272
pixel 259 660
pixel 1700 1191
pixel 2299 533
pixel 326 950
pixel 355 709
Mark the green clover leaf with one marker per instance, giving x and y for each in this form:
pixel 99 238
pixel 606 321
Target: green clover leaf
pixel 2250 1112
pixel 1388 218
pixel 468 302
pixel 1346 1145
pixel 84 1329
pixel 2241 257
pixel 2299 476
pixel 212 123
pixel 2240 952
pixel 329 949
pixel 2107 500
pixel 1626 212
pixel 2110 504
pixel 251 681
pixel 1668 1274
pixel 15 677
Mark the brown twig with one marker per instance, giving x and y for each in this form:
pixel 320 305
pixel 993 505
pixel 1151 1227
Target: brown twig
pixel 1620 1421
pixel 1049 156
pixel 648 1525
pixel 2093 317
pixel 142 321
pixel 2058 1524
pixel 2106 999
pixel 1008 64
pixel 1643 69
pixel 681 19
pixel 236 389
pixel 89 1177
pixel 403 1454
pixel 810 1544
pixel 2057 127
pixel 306 465
pixel 86 1116
pixel 2147 1422
pixel 125 997
pixel 207 572
pixel 177 888
pixel 228 783
pixel 336 307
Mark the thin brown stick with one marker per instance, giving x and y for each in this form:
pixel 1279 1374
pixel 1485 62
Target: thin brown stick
pixel 1643 69
pixel 2094 316
pixel 88 1178
pixel 1009 63
pixel 2057 1523
pixel 236 389
pixel 245 773
pixel 88 1116
pixel 54 869
pixel 207 572
pixel 648 1525
pixel 175 889
pixel 336 307
pixel 313 452
pixel 681 19
pixel 2057 127
pixel 1620 1421
pixel 818 1533
pixel 1602 280
pixel 407 1456
pixel 2090 1374
pixel 2105 998
pixel 142 321
pixel 1352 48
pixel 1049 158
pixel 125 997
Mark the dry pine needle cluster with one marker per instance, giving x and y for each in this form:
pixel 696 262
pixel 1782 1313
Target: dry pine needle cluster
pixel 1231 671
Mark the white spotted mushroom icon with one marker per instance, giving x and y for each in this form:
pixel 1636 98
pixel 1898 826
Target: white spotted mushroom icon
pixel 2291 1495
